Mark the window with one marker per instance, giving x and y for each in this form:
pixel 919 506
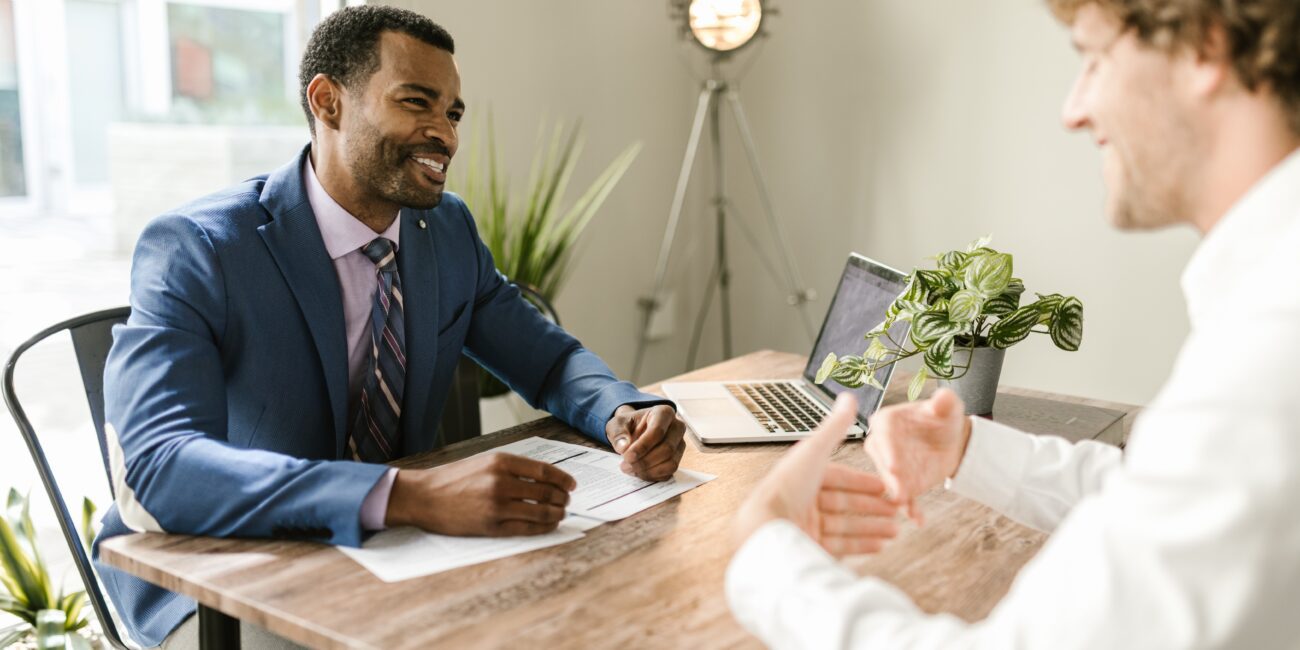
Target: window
pixel 13 176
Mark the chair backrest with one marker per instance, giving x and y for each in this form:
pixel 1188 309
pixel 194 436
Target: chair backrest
pixel 91 338
pixel 460 416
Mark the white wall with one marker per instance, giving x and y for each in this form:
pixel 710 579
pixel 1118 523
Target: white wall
pixel 896 129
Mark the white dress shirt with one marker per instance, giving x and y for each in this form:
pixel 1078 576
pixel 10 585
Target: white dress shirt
pixel 1191 539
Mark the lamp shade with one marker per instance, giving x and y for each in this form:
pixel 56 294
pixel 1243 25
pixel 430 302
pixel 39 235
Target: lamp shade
pixel 724 25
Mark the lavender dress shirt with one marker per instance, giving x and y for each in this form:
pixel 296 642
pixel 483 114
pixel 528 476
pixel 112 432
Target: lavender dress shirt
pixel 344 237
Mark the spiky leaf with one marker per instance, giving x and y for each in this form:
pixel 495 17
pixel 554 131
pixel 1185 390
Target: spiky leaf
pixel 938 357
pixel 964 306
pixel 1013 328
pixel 989 274
pixel 1066 327
pixel 88 523
pixel 918 383
pixel 11 634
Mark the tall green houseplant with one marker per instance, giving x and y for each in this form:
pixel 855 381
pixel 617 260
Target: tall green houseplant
pixel 533 238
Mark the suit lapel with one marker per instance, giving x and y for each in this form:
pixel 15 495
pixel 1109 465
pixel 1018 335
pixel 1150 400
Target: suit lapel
pixel 295 243
pixel 417 264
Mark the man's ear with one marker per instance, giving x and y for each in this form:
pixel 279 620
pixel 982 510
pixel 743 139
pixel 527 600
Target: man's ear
pixel 325 97
pixel 1212 62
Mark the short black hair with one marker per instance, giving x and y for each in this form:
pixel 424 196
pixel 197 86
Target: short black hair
pixel 345 46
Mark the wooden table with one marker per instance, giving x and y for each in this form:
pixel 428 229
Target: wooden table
pixel 651 580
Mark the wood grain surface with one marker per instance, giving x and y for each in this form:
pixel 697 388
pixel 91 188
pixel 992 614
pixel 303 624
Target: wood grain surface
pixel 653 580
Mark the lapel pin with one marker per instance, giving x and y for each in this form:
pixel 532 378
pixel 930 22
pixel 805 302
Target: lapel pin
pixel 423 225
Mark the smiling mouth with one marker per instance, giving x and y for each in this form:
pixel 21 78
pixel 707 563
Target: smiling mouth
pixel 432 164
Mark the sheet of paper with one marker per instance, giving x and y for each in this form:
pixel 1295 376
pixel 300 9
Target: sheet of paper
pixel 604 494
pixel 604 491
pixel 403 553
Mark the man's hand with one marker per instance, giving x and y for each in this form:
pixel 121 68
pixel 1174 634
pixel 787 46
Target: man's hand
pixel 496 495
pixel 843 509
pixel 651 440
pixel 916 446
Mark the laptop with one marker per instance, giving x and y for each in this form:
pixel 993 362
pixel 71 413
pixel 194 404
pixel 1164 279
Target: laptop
pixel 784 410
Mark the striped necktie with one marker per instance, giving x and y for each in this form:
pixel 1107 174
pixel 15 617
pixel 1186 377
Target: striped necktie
pixel 375 436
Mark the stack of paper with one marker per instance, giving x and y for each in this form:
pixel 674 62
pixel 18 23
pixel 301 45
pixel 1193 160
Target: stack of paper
pixel 604 494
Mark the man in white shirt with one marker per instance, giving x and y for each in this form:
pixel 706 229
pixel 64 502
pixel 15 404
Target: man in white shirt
pixel 1191 538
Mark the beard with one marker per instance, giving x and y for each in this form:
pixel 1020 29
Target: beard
pixel 1146 192
pixel 381 166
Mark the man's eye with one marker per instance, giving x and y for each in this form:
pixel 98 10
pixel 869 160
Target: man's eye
pixel 416 101
pixel 455 117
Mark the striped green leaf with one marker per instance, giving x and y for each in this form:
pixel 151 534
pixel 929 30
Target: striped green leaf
pixel 953 261
pixel 939 282
pixel 965 305
pixel 1046 306
pixel 932 326
pixel 1007 301
pixel 824 372
pixel 906 310
pixel 88 523
pixel 1066 327
pixel 938 357
pixel 1013 328
pixel 918 383
pixel 989 274
pixel 870 378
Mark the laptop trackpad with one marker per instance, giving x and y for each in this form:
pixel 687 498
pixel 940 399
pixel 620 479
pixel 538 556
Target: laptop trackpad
pixel 711 408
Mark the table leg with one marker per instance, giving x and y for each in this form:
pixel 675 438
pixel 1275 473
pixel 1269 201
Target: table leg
pixel 217 631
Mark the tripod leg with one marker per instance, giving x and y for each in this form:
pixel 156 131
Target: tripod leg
pixel 799 293
pixel 715 278
pixel 708 98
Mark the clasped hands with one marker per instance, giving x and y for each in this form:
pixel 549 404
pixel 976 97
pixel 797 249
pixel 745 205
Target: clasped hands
pixel 846 510
pixel 502 495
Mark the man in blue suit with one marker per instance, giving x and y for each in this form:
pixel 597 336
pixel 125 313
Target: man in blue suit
pixel 291 334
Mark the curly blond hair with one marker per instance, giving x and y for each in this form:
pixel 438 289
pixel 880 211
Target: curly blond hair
pixel 1264 36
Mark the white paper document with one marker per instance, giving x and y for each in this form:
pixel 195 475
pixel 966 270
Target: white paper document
pixel 604 491
pixel 604 494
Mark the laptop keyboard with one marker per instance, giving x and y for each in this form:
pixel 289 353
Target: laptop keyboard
pixel 779 406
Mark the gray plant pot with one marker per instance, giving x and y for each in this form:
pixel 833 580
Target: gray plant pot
pixel 979 386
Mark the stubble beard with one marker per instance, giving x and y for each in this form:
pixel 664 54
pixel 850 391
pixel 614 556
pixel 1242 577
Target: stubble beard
pixel 381 168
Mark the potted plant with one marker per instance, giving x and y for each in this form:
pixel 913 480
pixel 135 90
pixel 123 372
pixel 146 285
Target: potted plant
pixel 533 240
pixel 45 614
pixel 963 315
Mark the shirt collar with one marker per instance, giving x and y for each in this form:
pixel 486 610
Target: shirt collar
pixel 1242 239
pixel 342 232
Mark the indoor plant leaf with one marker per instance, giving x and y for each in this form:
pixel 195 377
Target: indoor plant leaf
pixel 938 357
pixel 1066 327
pixel 1046 306
pixel 954 261
pixel 989 274
pixel 824 372
pixel 88 523
pixel 932 326
pixel 979 243
pixel 939 283
pixel 1013 328
pixel 965 305
pixel 11 634
pixel 1007 301
pixel 918 383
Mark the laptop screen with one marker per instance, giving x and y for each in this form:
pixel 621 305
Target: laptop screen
pixel 864 294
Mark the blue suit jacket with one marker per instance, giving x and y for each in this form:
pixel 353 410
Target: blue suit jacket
pixel 228 386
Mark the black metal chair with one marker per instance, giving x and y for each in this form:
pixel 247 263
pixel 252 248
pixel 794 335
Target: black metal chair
pixel 92 336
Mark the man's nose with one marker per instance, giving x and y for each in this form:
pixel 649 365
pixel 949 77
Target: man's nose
pixel 1074 113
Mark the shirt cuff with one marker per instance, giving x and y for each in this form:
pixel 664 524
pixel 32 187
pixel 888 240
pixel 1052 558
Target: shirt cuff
pixel 994 464
pixel 375 508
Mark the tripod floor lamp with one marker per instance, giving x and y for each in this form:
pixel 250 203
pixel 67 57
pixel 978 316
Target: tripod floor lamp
pixel 721 27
